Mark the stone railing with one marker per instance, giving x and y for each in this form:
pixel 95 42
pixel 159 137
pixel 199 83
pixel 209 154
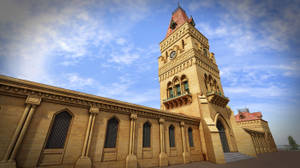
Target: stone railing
pixel 179 100
pixel 217 98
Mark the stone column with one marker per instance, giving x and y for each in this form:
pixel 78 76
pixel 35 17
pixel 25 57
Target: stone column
pixel 131 160
pixel 203 142
pixel 185 154
pixel 257 145
pixel 264 143
pixel 84 160
pixel 9 158
pixel 254 143
pixel 163 158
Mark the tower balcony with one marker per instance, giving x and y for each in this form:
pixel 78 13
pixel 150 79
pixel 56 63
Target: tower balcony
pixel 217 98
pixel 178 101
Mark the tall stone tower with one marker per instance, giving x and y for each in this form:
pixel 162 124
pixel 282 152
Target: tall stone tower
pixel 190 84
pixel 187 69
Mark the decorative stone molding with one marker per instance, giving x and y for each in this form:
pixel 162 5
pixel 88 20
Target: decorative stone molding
pixel 161 120
pixel 179 33
pixel 34 100
pixel 217 99
pixel 94 110
pixel 21 88
pixel 186 60
pixel 133 116
pixel 178 101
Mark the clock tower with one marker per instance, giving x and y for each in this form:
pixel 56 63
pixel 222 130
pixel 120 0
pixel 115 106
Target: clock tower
pixel 190 84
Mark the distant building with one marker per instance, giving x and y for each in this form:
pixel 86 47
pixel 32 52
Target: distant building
pixel 258 129
pixel 46 126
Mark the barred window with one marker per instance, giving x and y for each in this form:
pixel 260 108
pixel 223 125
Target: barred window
pixel 172 136
pixel 111 133
pixel 147 135
pixel 190 133
pixel 59 130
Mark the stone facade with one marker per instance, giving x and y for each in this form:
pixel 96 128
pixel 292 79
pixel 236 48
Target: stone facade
pixel 46 126
pixel 258 129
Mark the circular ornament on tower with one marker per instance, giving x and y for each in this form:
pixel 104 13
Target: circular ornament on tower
pixel 172 54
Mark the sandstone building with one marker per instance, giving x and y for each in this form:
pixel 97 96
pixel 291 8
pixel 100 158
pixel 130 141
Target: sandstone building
pixel 47 126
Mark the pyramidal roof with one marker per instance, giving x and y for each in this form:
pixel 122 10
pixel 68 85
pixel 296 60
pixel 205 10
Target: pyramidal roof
pixel 179 17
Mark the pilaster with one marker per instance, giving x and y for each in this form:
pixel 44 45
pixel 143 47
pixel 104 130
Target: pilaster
pixel 84 160
pixel 9 158
pixel 163 158
pixel 185 154
pixel 131 160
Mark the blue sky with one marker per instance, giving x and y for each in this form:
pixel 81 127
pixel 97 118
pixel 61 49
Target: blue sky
pixel 110 48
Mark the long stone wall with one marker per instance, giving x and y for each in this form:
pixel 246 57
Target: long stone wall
pixel 27 111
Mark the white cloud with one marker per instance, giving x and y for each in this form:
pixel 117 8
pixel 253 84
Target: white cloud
pixel 60 30
pixel 259 92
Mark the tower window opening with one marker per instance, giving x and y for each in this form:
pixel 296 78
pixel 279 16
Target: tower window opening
pixel 186 86
pixel 182 42
pixel 178 90
pixel 205 52
pixel 171 94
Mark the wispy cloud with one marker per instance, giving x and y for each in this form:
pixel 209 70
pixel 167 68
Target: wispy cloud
pixel 35 33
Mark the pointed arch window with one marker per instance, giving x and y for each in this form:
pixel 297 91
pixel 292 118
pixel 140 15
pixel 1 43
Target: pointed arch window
pixel 59 130
pixel 178 90
pixel 191 140
pixel 146 135
pixel 172 136
pixel 111 133
pixel 171 93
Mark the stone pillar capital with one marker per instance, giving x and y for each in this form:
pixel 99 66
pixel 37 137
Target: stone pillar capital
pixel 182 123
pixel 33 100
pixel 133 116
pixel 94 110
pixel 161 120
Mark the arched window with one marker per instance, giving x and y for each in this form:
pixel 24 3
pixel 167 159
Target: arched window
pixel 59 130
pixel 177 86
pixel 185 84
pixel 172 136
pixel 170 90
pixel 111 133
pixel 190 133
pixel 205 52
pixel 147 135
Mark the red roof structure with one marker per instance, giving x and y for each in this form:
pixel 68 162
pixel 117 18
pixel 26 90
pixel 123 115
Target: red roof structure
pixel 179 17
pixel 245 115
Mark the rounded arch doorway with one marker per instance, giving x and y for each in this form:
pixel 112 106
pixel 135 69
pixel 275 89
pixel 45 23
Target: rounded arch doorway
pixel 223 138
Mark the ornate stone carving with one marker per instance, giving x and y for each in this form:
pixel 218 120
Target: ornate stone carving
pixel 72 98
pixel 33 100
pixel 94 110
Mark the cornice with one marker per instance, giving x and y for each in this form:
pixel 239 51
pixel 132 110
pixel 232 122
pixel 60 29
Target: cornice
pixel 184 61
pixel 22 88
pixel 181 31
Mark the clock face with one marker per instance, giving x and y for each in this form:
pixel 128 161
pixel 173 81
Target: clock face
pixel 172 54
